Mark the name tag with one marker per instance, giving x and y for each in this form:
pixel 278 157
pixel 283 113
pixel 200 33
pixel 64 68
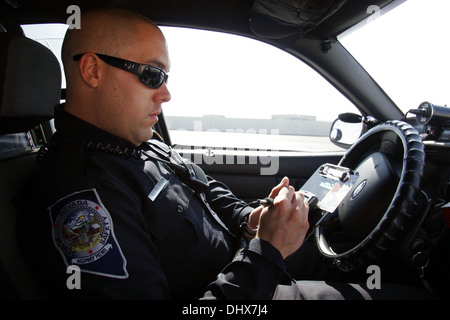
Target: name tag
pixel 157 189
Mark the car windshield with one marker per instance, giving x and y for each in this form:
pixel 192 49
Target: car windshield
pixel 405 50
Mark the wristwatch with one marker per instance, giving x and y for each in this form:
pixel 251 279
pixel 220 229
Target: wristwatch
pixel 244 226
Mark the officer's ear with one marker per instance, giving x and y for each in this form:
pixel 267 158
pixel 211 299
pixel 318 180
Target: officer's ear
pixel 89 69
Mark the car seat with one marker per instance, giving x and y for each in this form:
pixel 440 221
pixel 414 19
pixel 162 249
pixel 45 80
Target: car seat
pixel 30 87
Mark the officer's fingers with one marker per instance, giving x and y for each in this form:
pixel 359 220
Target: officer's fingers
pixel 286 192
pixel 283 184
pixel 291 207
pixel 300 200
pixel 253 218
pixel 284 203
pixel 300 213
pixel 300 195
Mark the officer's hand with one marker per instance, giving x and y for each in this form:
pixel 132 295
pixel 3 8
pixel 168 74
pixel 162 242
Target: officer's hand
pixel 285 223
pixel 253 219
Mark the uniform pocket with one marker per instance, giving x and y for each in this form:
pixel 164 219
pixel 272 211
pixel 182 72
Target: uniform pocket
pixel 167 213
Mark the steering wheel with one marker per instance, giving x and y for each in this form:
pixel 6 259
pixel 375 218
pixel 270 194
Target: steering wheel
pixel 376 213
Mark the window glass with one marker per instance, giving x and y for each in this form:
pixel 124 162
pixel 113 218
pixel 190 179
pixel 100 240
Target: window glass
pixel 234 92
pixel 404 48
pixel 230 92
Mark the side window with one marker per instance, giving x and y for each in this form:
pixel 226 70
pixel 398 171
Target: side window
pixel 233 93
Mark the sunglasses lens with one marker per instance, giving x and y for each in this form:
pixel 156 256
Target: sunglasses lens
pixel 153 77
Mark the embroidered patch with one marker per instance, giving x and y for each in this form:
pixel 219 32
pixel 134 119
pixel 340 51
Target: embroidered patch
pixel 83 233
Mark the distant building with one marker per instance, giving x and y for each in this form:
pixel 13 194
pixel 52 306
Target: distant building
pixel 292 124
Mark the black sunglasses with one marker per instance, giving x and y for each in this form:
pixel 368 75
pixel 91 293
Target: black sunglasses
pixel 151 76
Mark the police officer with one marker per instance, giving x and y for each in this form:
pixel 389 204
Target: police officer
pixel 136 219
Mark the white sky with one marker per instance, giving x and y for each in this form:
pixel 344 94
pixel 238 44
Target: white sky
pixel 222 74
pixel 411 59
pixel 239 77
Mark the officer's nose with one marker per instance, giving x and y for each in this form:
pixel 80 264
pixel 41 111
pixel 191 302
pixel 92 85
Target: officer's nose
pixel 162 95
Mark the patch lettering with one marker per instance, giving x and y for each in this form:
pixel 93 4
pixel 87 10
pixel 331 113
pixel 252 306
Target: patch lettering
pixel 83 234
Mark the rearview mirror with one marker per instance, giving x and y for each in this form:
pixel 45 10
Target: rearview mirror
pixel 344 134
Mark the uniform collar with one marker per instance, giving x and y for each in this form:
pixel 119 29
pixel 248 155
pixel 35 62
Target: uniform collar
pixel 73 127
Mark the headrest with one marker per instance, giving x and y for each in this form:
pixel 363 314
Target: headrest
pixel 30 83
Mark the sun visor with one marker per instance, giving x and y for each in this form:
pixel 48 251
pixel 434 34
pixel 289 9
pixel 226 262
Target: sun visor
pixel 279 19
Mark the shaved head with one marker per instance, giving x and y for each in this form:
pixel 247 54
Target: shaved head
pixel 119 36
pixel 105 96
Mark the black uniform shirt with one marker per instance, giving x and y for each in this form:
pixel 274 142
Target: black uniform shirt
pixel 133 227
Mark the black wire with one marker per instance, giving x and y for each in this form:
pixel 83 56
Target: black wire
pixel 262 202
pixel 170 164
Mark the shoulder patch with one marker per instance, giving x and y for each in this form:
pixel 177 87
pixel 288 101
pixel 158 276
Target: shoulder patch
pixel 83 233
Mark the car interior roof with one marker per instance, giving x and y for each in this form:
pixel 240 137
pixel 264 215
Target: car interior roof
pixel 222 15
